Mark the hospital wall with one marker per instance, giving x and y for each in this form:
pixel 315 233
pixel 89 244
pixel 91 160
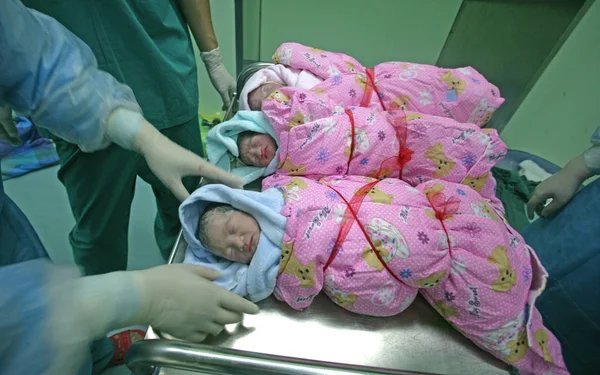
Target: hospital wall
pixel 560 112
pixel 371 31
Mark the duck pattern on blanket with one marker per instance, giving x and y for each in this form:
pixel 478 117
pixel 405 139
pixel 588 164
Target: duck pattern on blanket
pixel 371 245
pixel 462 94
pixel 320 138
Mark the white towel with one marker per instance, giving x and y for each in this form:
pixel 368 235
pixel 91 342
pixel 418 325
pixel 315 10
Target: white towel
pixel 532 171
pixel 257 279
pixel 221 144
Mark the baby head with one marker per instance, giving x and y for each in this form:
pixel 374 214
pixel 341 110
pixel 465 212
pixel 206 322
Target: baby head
pixel 228 233
pixel 256 149
pixel 257 96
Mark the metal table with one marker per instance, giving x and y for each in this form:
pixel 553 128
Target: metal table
pixel 416 341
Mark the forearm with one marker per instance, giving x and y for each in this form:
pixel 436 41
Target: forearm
pixel 53 77
pixel 198 17
pixel 55 314
pixel 108 302
pixel 578 169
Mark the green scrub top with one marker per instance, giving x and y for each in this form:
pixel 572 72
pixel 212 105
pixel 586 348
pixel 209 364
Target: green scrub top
pixel 144 44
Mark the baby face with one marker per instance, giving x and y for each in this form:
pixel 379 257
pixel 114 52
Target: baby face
pixel 234 236
pixel 257 96
pixel 258 150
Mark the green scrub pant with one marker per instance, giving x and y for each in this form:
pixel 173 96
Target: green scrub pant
pixel 101 187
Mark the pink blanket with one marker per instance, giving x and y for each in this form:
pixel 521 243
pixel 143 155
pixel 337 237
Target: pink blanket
pixel 462 94
pixel 372 245
pixel 316 139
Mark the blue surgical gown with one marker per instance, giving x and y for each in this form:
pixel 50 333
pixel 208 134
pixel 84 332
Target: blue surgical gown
pixel 50 75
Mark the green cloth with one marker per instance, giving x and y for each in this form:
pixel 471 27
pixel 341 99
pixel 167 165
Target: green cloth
pixel 144 44
pixel 514 192
pixel 100 187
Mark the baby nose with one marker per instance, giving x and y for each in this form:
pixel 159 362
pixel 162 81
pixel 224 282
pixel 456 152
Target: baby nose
pixel 240 242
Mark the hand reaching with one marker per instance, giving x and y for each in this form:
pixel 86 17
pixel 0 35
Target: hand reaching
pixel 561 188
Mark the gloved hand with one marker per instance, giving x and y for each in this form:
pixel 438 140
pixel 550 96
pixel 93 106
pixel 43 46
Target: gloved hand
pixel 181 301
pixel 171 162
pixel 560 187
pixel 167 160
pixel 8 128
pixel 66 312
pixel 222 81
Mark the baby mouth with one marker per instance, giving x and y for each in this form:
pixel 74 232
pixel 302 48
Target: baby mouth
pixel 248 246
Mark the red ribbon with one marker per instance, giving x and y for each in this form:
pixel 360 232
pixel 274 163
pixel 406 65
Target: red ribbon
pixel 350 216
pixel 397 163
pixel 370 88
pixel 443 209
pixel 352 142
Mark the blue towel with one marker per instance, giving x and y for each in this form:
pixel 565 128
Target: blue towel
pixel 257 279
pixel 221 142
pixel 34 152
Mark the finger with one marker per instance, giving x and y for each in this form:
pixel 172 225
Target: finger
pixel 206 169
pixel 228 317
pixel 235 303
pixel 179 191
pixel 539 209
pixel 205 272
pixel 196 337
pixel 231 180
pixel 226 102
pixel 551 208
pixel 212 328
pixel 536 200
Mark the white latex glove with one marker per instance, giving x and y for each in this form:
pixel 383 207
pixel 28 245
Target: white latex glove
pixel 8 128
pixel 222 81
pixel 560 187
pixel 166 159
pixel 182 301
pixel 178 299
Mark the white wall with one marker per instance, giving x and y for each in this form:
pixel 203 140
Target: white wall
pixel 560 113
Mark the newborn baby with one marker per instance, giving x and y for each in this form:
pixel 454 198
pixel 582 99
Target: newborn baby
pixel 259 94
pixel 271 78
pixel 229 233
pixel 256 149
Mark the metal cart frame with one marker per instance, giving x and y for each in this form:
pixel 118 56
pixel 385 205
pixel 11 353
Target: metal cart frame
pixel 324 339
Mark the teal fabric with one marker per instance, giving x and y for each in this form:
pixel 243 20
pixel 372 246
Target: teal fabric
pixel 567 245
pixel 24 350
pixel 514 192
pixel 144 44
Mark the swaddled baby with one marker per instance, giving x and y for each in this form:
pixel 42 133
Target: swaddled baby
pixel 371 246
pixel 264 82
pixel 462 94
pixel 318 138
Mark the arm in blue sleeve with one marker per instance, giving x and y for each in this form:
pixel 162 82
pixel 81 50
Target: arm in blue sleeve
pixel 47 73
pixel 50 315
